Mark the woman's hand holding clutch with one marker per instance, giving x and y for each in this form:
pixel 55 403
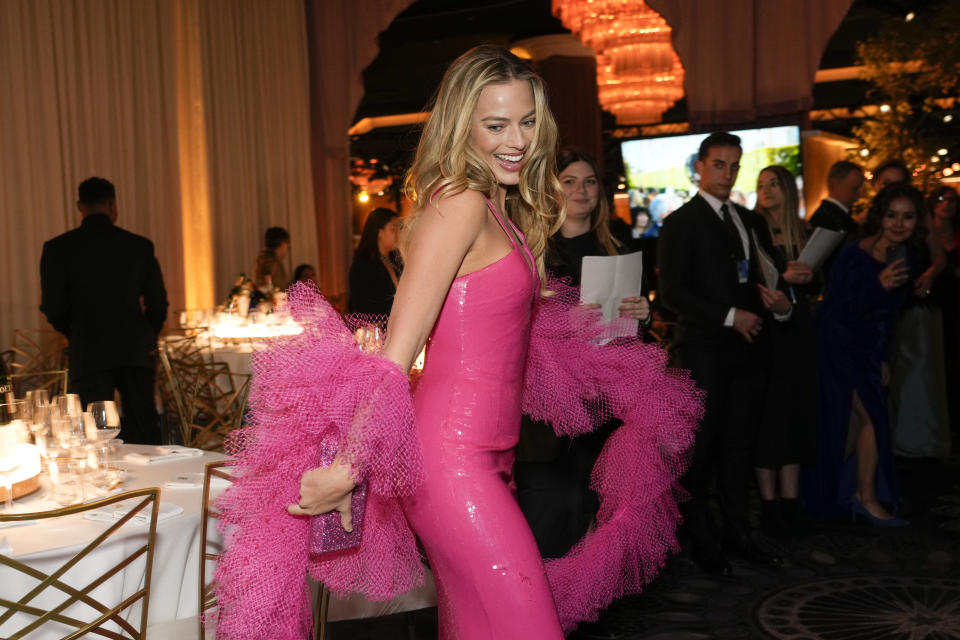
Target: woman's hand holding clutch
pixel 326 489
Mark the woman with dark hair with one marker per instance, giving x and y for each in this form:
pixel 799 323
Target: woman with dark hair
pixel 270 272
pixel 869 284
pixel 787 434
pixel 305 273
pixel 919 387
pixel 375 270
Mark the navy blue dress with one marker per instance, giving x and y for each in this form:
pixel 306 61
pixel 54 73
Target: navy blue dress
pixel 854 323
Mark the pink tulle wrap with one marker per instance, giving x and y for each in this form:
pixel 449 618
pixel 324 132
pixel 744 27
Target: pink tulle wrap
pixel 576 385
pixel 321 381
pixel 304 388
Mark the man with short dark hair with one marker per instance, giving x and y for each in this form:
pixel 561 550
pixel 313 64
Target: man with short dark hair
pixel 710 277
pixel 844 181
pixel 890 172
pixel 102 288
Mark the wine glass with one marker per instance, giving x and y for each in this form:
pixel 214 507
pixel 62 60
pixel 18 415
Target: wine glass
pixel 101 421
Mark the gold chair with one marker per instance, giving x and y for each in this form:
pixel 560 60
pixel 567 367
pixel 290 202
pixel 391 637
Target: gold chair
pixel 212 401
pixel 55 382
pixel 38 350
pixel 208 557
pixel 107 619
pixel 185 349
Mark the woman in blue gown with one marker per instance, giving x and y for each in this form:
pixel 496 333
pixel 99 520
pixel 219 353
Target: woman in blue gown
pixel 869 283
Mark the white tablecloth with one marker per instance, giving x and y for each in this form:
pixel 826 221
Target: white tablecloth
pixel 46 545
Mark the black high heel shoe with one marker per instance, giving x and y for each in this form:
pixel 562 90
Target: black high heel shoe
pixel 858 509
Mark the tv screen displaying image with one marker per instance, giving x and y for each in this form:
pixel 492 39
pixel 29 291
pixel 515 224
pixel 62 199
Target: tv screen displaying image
pixel 661 175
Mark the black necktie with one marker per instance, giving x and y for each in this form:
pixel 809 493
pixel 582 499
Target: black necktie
pixel 732 232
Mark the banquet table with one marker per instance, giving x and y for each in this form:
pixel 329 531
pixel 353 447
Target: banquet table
pixel 47 544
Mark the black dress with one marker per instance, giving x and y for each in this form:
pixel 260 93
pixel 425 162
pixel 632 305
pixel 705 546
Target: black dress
pixel 552 473
pixel 788 424
pixel 371 287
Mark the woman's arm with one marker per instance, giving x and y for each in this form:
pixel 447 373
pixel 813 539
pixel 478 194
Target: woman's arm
pixel 440 245
pixel 444 236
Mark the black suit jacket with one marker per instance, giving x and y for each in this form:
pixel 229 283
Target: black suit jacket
pixel 698 280
pixel 102 288
pixel 830 216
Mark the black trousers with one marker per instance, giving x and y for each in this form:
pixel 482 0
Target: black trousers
pixel 735 385
pixel 140 423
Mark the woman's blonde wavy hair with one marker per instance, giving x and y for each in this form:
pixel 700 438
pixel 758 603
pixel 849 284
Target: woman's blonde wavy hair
pixel 446 163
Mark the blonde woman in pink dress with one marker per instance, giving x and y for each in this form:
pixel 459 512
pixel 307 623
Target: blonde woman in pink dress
pixel 487 198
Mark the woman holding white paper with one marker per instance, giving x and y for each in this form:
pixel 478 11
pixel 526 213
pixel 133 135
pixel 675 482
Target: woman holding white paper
pixel 586 230
pixel 787 434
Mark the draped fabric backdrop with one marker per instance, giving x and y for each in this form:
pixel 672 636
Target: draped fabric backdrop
pixel 197 110
pixel 86 89
pixel 343 41
pixel 746 59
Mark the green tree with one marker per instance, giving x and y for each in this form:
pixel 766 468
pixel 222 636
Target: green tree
pixel 914 71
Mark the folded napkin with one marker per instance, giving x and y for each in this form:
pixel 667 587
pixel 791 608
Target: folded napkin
pixel 5 547
pixel 163 454
pixel 195 481
pixel 119 509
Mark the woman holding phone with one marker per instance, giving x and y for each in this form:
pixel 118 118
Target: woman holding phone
pixel 869 283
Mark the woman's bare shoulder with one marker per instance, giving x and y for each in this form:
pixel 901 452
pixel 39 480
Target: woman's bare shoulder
pixel 464 206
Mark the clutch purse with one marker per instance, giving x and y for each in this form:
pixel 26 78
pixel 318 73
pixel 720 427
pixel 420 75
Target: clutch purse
pixel 326 530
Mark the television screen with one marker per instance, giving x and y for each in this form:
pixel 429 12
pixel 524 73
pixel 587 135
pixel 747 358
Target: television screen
pixel 661 175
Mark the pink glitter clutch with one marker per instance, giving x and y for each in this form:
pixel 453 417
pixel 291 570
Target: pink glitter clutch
pixel 326 530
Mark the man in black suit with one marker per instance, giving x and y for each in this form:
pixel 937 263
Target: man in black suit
pixel 710 277
pixel 102 288
pixel 844 181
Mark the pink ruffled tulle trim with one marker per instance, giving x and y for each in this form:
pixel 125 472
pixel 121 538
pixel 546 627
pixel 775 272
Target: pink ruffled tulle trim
pixel 305 388
pixel 577 385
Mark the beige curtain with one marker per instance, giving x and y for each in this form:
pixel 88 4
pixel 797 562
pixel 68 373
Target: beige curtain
pixel 343 40
pixel 87 88
pixel 746 59
pixel 197 110
pixel 257 118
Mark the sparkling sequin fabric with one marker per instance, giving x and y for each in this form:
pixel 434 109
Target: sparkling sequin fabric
pixel 491 583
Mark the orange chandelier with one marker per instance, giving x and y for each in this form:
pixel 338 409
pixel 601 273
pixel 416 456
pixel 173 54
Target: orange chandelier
pixel 639 75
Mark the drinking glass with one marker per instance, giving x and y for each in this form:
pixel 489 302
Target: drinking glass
pixel 68 469
pixel 101 421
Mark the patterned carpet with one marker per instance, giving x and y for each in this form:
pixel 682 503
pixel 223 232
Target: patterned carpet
pixel 842 581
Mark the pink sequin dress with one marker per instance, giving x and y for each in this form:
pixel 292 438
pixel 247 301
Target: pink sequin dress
pixel 491 583
pixel 439 463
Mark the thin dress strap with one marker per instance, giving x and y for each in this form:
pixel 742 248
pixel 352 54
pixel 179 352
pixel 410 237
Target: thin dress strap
pixel 513 237
pixel 510 236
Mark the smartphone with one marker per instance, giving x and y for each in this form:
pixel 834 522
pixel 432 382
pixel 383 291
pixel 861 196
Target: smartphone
pixel 896 252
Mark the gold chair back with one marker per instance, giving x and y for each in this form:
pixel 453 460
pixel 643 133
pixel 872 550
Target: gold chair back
pixel 108 620
pixel 213 402
pixel 209 555
pixel 55 382
pixel 38 350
